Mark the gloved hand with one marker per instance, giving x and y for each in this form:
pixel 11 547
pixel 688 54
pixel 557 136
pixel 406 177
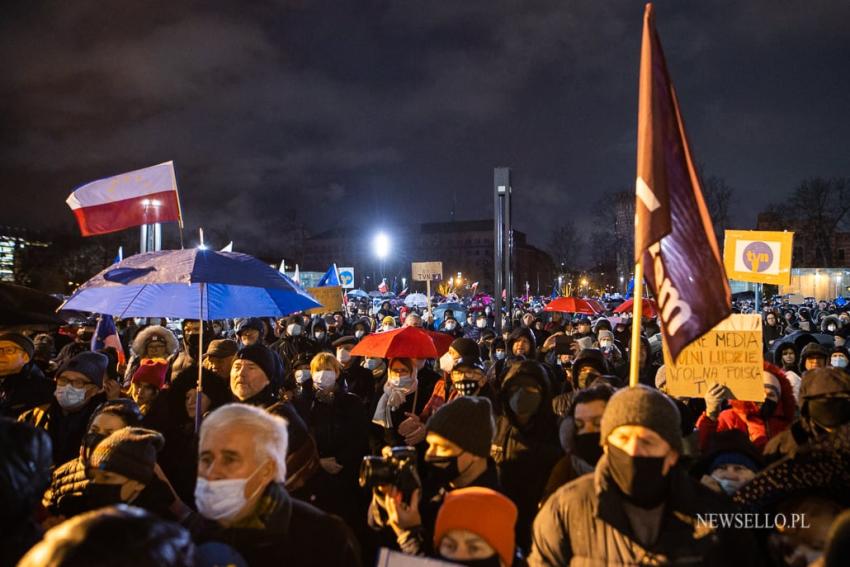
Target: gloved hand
pixel 714 399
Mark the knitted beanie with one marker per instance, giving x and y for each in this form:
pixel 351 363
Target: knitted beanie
pixel 482 511
pixel 130 451
pixel 466 348
pixel 467 422
pixel 24 342
pixel 92 365
pixel 261 356
pixel 642 405
pixel 152 372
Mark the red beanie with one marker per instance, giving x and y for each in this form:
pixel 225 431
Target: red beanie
pixel 152 372
pixel 482 511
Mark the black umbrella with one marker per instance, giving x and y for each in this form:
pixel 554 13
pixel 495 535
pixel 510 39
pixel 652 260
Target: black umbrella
pixel 25 307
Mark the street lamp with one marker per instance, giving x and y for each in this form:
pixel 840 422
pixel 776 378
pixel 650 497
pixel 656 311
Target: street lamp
pixel 381 245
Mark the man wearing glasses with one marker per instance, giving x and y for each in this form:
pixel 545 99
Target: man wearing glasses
pixel 79 390
pixel 22 384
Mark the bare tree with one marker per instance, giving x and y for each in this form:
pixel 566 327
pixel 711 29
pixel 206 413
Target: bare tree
pixel 719 197
pixel 566 245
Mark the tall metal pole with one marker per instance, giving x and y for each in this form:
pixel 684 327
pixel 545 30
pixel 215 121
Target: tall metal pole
pixel 510 280
pixel 501 182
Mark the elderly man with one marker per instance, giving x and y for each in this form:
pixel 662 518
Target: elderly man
pixel 220 355
pixel 241 489
pixel 22 384
pixel 639 505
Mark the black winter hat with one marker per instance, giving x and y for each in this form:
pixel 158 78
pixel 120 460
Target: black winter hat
pixel 261 356
pixel 342 341
pixel 216 388
pixel 642 405
pixel 466 348
pixel 467 422
pixel 24 342
pixel 251 323
pixel 92 365
pixel 130 451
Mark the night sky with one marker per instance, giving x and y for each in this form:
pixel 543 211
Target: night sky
pixel 368 112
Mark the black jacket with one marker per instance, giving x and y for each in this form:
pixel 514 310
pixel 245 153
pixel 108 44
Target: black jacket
pixel 66 430
pixel 290 346
pixel 286 531
pixel 359 381
pixel 585 523
pixel 23 391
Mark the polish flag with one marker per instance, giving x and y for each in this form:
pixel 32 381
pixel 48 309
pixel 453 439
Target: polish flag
pixel 144 196
pixel 383 287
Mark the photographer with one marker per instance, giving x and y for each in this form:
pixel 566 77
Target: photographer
pixel 459 437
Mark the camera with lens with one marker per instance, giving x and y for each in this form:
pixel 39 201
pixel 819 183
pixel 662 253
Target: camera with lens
pixel 398 469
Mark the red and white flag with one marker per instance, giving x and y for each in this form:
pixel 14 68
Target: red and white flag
pixel 383 288
pixel 144 196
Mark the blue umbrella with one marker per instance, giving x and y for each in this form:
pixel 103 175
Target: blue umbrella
pixel 358 293
pixel 191 284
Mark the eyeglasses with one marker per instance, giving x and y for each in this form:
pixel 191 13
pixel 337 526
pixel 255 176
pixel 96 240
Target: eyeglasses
pixel 76 382
pixel 10 350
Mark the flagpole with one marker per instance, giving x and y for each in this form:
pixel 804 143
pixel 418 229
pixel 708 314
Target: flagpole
pixel 637 315
pixel 179 206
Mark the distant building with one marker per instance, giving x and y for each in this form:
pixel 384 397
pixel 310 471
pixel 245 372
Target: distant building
pixel 12 241
pixel 462 246
pixel 807 253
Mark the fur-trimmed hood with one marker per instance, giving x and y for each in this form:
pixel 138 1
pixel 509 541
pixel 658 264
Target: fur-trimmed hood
pixel 145 335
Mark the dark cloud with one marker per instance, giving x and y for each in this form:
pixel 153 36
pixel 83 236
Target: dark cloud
pixel 386 110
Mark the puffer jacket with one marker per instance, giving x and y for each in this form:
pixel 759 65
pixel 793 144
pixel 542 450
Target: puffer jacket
pixel 65 496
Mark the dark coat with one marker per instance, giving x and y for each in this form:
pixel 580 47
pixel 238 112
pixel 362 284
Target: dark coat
pixel 286 531
pixel 65 497
pixel 66 430
pixel 585 523
pixel 288 347
pixel 23 391
pixel 340 428
pixel 359 381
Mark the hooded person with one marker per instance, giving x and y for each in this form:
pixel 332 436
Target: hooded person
pixel 824 406
pixel 321 337
pixel 587 366
pixel 79 390
pixel 839 358
pixel 814 355
pixel 23 386
pixel 293 340
pixel 761 421
pixel 154 341
pixel 361 328
pixel 525 446
pixel 240 493
pixel 639 502
pixel 579 436
pixel 66 495
pixel 25 463
pixel 520 345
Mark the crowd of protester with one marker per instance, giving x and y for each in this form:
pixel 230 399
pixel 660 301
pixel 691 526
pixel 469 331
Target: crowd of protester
pixel 522 447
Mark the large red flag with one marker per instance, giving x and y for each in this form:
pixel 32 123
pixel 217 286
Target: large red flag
pixel 673 231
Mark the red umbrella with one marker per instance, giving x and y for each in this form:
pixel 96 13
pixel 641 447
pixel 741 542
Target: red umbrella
pixel 407 342
pixel 571 305
pixel 442 341
pixel 648 306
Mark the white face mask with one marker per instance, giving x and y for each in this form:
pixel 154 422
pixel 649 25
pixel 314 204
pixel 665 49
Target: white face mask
pixel 500 355
pixel 70 397
pixel 605 343
pixel 319 335
pixel 325 379
pixel 293 329
pixel 359 334
pixel 372 363
pixel 387 327
pixel 728 486
pixel 302 376
pixel 447 362
pixel 481 323
pixel 450 325
pixel 221 499
pixel 405 381
pixel 838 362
pixel 343 355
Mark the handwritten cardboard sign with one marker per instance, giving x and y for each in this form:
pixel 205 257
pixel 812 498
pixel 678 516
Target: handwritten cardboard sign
pixel 329 296
pixel 729 354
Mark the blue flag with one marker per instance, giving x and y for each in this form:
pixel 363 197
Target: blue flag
pixel 630 288
pixel 120 256
pixel 331 277
pixel 106 335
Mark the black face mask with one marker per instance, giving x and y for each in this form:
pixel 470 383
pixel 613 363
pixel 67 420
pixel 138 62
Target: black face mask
pixel 466 387
pixel 192 344
pixel 829 412
pixel 86 337
pixel 492 561
pixel 90 441
pixel 768 408
pixel 443 475
pixel 100 495
pixel 588 448
pixel 638 478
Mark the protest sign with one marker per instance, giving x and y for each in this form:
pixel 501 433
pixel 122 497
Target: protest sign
pixel 329 296
pixel 426 271
pixel 759 256
pixel 390 558
pixel 729 354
